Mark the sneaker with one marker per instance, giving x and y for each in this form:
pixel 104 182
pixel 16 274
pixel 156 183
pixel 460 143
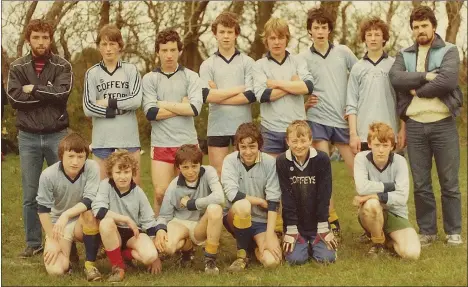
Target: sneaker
pixel 335 227
pixel 31 251
pixel 426 239
pixel 92 274
pixel 210 266
pixel 376 250
pixel 238 265
pixel 117 274
pixel 454 239
pixel 186 259
pixel 364 238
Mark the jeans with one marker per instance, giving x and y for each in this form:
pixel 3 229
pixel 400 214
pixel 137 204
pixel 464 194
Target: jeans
pixel 304 249
pixel 33 148
pixel 438 139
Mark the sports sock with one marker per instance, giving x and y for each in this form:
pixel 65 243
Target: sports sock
pixel 211 249
pixel 242 231
pixel 127 254
pixel 332 216
pixel 115 257
pixel 91 240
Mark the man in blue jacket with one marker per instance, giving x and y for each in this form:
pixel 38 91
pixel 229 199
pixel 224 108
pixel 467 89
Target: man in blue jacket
pixel 425 76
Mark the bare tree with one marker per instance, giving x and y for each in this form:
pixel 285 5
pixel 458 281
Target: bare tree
pixel 453 14
pixel 104 13
pixel 344 28
pixel 29 13
pixel 263 13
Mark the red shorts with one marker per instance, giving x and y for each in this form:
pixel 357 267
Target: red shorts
pixel 166 154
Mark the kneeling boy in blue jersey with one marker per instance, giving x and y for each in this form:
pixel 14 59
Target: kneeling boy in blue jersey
pixel 251 186
pixel 306 183
pixel 191 210
pixel 124 211
pixel 66 190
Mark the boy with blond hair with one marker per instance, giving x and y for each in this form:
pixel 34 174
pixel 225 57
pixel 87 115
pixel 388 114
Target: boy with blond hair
pixel 191 212
pixel 124 213
pixel 227 77
pixel 306 184
pixel 382 184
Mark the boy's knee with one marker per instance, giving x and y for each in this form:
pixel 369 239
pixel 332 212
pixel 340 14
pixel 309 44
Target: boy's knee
pixel 297 259
pixel 159 194
pixel 371 207
pixel 214 212
pixel 55 269
pixel 325 258
pixel 242 208
pixel 410 253
pixel 107 225
pixel 149 256
pixel 269 260
pixel 170 248
pixel 89 220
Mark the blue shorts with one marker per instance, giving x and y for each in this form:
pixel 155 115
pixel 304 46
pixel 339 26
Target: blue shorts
pixel 104 153
pixel 305 250
pixel 273 142
pixel 256 228
pixel 328 133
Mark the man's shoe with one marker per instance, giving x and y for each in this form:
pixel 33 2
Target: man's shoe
pixel 117 274
pixel 210 266
pixel 92 274
pixel 427 239
pixel 186 259
pixel 31 251
pixel 238 265
pixel 454 239
pixel 335 227
pixel 376 250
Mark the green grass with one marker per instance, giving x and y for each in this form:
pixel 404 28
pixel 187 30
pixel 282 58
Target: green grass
pixel 438 264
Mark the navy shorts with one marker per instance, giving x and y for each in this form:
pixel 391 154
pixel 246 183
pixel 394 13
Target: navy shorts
pixel 256 228
pixel 328 133
pixel 125 235
pixel 220 141
pixel 104 153
pixel 273 142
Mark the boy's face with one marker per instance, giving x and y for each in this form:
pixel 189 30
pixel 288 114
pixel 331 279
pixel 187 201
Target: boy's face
pixel 226 37
pixel 122 177
pixel 248 150
pixel 380 150
pixel 276 44
pixel 40 43
pixel 190 170
pixel 299 145
pixel 168 54
pixel 73 162
pixel 423 31
pixel 110 50
pixel 374 40
pixel 319 33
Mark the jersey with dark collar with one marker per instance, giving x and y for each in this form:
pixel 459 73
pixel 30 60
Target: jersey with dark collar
pixel 115 126
pixel 132 203
pixel 223 120
pixel 207 191
pixel 58 192
pixel 306 190
pixel 158 86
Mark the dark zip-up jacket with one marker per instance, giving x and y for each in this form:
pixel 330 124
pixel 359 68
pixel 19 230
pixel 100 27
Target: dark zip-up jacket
pixel 44 110
pixel 305 190
pixel 443 59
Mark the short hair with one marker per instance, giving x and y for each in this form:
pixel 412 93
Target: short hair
pixel 248 130
pixel 422 13
pixel 382 132
pixel 188 152
pixel 73 142
pixel 227 19
pixel 123 159
pixel 300 127
pixel 278 26
pixel 111 33
pixel 374 23
pixel 168 35
pixel 39 25
pixel 320 16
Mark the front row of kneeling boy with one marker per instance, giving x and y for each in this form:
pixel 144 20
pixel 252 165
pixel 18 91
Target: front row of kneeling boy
pixel 75 206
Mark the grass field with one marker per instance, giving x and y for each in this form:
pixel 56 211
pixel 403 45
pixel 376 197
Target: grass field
pixel 438 264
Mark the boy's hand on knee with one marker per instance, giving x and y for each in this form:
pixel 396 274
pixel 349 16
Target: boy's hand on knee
pixel 290 238
pixel 51 253
pixel 160 240
pixel 273 246
pixel 59 226
pixel 324 234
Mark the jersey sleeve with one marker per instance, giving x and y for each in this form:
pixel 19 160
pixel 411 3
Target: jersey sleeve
pixel 167 208
pixel 262 93
pixel 45 194
pixel 100 204
pixel 194 92
pixel 92 183
pixel 90 108
pixel 215 197
pixel 289 208
pixel 150 96
pixel 352 97
pixel 146 214
pixel 230 180
pixel 132 101
pixel 324 188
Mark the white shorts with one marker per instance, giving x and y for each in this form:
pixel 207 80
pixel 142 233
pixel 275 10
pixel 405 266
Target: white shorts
pixel 69 230
pixel 191 227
